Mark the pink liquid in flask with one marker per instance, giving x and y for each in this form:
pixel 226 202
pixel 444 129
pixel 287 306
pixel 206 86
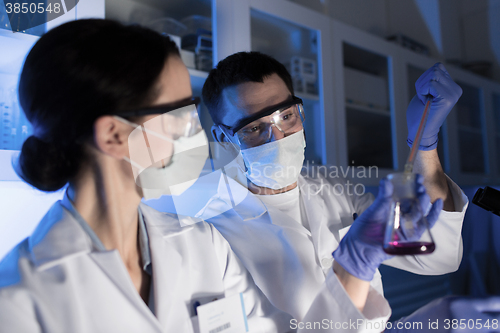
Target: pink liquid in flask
pixel 405 248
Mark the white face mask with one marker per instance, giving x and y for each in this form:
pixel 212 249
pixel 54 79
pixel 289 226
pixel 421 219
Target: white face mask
pixel 276 164
pixel 185 164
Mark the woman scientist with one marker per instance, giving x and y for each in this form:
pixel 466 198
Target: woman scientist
pixel 100 261
pixel 113 116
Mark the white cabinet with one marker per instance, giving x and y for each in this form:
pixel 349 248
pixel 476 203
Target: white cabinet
pixel 367 118
pixel 372 135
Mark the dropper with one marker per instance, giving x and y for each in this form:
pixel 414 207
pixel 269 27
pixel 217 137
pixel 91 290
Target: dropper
pixel 418 137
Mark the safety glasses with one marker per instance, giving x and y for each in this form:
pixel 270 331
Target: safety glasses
pixel 175 119
pixel 255 130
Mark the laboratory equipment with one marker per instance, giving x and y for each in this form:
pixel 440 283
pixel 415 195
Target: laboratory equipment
pixel 198 39
pixel 407 230
pixel 303 72
pixel 488 199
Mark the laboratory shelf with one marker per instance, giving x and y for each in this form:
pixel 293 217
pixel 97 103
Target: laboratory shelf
pixel 144 11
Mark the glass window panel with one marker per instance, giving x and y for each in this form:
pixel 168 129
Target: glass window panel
pixel 496 112
pixel 296 47
pixel 468 107
pixel 498 152
pixel 470 134
pixel 368 115
pixel 471 151
pixel 293 45
pixel 369 139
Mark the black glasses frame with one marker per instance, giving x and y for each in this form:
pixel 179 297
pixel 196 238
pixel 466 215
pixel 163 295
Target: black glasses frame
pixel 160 109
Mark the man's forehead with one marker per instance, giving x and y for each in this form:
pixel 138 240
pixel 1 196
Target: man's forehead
pixel 248 98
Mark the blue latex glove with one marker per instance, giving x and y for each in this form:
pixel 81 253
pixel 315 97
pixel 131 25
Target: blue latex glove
pixel 437 83
pixel 360 252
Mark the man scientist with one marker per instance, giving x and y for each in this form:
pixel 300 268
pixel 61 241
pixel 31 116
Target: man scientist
pixel 251 100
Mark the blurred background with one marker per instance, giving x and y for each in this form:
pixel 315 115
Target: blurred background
pixel 354 63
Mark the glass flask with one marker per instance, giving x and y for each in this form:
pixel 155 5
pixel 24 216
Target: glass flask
pixel 407 231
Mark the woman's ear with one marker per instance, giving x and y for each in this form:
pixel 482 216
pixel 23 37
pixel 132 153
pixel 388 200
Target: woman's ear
pixel 111 136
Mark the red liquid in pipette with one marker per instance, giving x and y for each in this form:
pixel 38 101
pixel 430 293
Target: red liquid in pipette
pixel 396 248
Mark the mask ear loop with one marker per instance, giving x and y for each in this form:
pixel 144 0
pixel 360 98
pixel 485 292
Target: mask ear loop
pixel 144 131
pixel 226 180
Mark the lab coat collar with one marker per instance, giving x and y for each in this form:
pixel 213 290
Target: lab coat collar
pixel 60 237
pixel 59 227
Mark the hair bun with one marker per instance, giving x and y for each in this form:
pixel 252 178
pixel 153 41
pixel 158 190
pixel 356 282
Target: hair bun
pixel 47 165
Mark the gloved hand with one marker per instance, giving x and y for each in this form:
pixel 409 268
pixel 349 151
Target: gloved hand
pixel 437 83
pixel 360 252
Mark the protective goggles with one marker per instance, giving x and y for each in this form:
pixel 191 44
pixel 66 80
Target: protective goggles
pixel 179 119
pixel 152 143
pixel 255 130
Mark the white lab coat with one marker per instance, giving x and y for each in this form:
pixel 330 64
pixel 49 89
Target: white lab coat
pixel 54 281
pixel 250 227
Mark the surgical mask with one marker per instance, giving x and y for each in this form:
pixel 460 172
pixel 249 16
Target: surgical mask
pixel 276 164
pixel 150 149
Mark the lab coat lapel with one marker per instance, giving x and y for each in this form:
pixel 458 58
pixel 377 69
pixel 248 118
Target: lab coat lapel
pixel 56 237
pixel 167 271
pixel 314 206
pixel 59 237
pixel 111 264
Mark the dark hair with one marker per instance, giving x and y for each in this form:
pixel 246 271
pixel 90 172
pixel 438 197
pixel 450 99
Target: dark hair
pixel 74 74
pixel 239 68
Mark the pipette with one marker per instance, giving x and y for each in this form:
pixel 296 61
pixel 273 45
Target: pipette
pixel 418 137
